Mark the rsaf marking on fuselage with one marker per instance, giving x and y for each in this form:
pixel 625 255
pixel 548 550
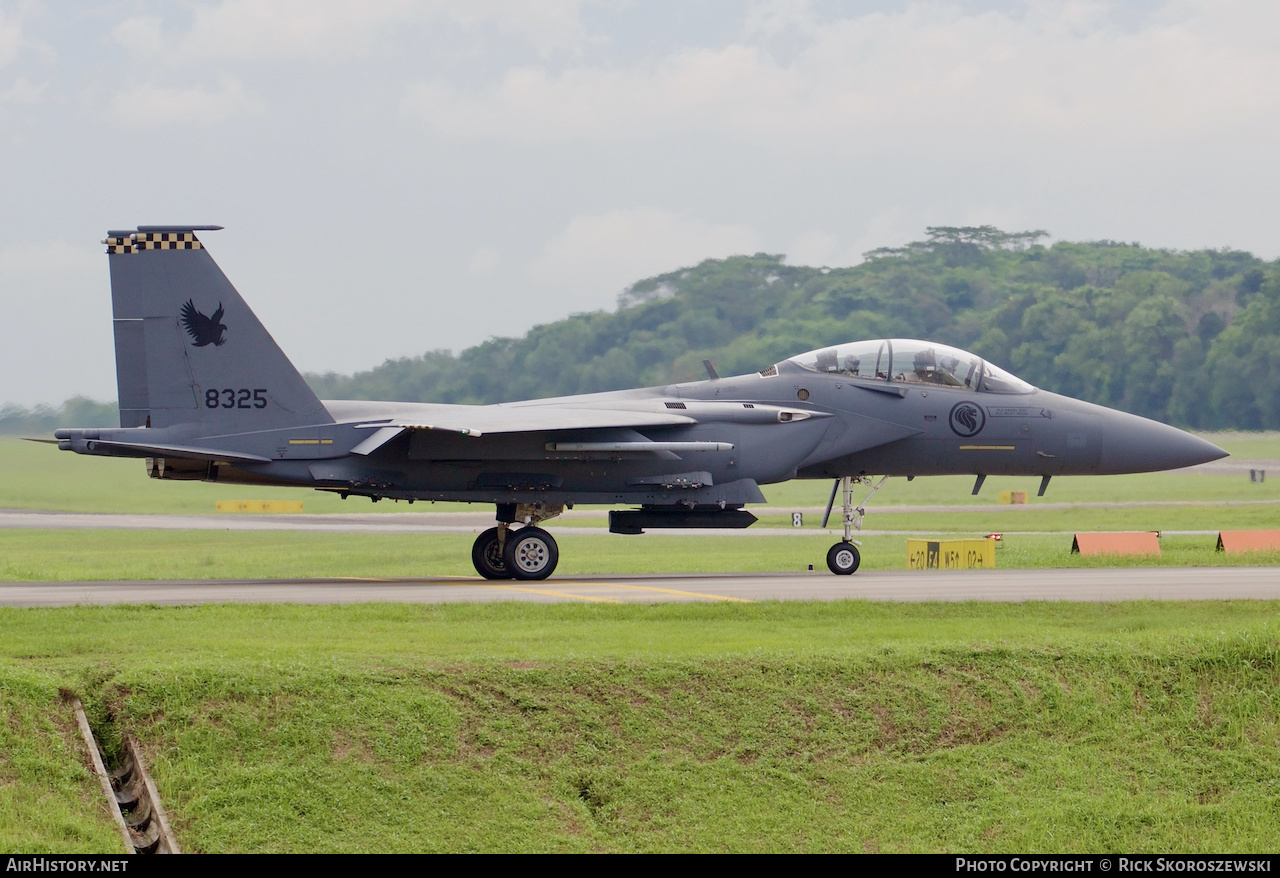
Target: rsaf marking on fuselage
pixel 214 398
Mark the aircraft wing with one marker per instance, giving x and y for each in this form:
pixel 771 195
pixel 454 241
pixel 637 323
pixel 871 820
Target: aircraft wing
pixel 551 416
pixel 479 420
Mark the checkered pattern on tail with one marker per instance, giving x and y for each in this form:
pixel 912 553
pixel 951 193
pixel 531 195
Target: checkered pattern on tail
pixel 139 241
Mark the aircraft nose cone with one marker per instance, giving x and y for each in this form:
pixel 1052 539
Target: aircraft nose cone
pixel 1138 445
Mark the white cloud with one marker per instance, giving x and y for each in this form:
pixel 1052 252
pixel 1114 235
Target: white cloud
pixel 13 40
pixel 550 26
pixel 774 17
pixel 925 72
pixel 731 87
pixel 816 247
pixel 314 30
pixel 23 92
pixel 150 105
pixel 56 293
pixel 141 36
pixel 485 261
pixel 10 38
pixel 45 263
pixel 258 31
pixel 597 256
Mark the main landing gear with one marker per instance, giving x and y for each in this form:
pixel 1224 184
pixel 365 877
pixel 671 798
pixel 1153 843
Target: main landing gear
pixel 843 558
pixel 527 553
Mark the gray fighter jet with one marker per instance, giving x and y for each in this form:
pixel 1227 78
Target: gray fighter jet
pixel 205 393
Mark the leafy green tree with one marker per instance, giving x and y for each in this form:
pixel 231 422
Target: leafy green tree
pixel 1185 337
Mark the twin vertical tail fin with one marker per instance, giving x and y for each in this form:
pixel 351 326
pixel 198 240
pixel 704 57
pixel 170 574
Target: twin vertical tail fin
pixel 189 351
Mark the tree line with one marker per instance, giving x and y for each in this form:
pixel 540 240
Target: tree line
pixel 1191 338
pixel 1187 337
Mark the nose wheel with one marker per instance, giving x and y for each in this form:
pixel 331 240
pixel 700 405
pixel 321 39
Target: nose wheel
pixel 843 559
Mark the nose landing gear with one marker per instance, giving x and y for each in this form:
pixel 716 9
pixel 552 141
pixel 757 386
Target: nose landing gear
pixel 843 558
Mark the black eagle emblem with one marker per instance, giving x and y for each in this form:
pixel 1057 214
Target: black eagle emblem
pixel 203 330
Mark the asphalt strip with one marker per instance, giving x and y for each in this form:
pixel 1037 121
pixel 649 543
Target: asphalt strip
pixel 1091 585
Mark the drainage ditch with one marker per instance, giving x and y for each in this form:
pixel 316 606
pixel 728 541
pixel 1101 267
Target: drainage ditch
pixel 130 791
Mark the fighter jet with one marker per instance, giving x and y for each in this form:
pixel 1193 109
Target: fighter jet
pixel 206 394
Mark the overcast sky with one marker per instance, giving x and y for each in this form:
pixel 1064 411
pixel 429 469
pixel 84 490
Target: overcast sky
pixel 396 177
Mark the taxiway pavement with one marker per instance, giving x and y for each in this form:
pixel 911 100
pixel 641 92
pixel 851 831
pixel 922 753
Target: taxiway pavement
pixel 1094 584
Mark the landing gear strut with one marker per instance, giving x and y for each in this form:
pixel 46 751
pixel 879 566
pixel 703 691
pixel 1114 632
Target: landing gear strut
pixel 527 553
pixel 843 558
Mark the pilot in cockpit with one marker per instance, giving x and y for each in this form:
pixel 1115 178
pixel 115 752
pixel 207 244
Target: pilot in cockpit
pixel 926 367
pixel 929 370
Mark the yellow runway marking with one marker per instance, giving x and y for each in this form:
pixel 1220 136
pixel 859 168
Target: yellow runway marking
pixel 686 594
pixel 556 594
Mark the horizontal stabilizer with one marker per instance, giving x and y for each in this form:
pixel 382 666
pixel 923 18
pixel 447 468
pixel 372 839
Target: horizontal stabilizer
pixel 139 449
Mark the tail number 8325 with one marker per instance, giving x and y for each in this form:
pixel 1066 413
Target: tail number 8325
pixel 230 398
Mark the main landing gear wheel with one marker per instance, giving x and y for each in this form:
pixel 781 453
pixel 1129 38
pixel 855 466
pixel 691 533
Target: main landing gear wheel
pixel 486 556
pixel 530 553
pixel 843 558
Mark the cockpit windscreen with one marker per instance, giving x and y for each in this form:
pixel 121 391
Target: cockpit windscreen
pixel 912 361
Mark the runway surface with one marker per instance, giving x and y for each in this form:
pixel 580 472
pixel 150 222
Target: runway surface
pixel 1163 583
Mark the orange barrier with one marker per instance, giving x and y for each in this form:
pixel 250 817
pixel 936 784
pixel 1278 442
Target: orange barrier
pixel 1248 540
pixel 1146 543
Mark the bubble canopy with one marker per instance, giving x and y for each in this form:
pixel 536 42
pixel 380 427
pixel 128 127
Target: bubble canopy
pixel 911 361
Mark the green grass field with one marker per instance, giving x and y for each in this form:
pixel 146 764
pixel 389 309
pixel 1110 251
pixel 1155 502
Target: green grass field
pixel 799 727
pixel 49 799
pixel 68 555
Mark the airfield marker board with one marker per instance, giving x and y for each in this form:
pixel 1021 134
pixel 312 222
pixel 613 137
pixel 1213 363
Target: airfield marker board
pixel 951 554
pixel 1145 543
pixel 1248 540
